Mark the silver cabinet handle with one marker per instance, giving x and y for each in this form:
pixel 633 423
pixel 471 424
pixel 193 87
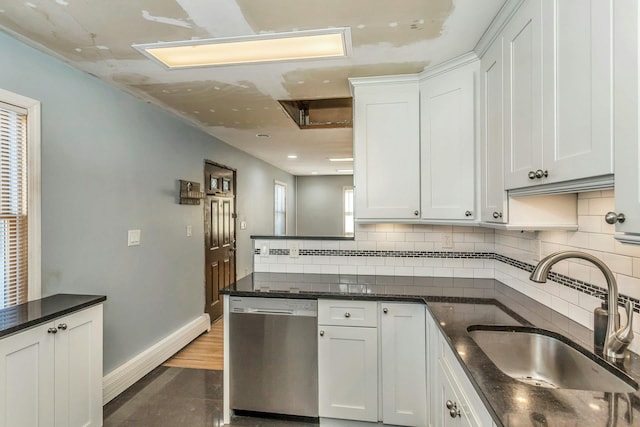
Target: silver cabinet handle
pixel 321 333
pixel 62 326
pixel 416 212
pixel 385 310
pixel 541 174
pixel 52 330
pixel 468 213
pixel 497 215
pixel 453 409
pixel 532 175
pixel 612 218
pixel 347 315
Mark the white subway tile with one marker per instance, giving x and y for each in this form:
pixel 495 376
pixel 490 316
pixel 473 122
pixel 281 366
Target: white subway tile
pixel 277 268
pixel 618 263
pixel 261 268
pixel 579 271
pixel 601 242
pixel 382 270
pixel 386 246
pixel 384 227
pixel 590 224
pixel 560 305
pixel 414 262
pixel 403 271
pixel 629 286
pixel 580 315
pixel 423 228
pixel 601 206
pixel 367 245
pixel 357 260
pixel 636 267
pixel 375 260
pixel 405 246
pixel 578 239
pixel 312 269
pixel 588 302
pixel 453 262
pixel 348 245
pixel 403 228
pixel 433 237
pixel 331 245
pixel 394 261
pixel 443 272
pixel 433 262
pixel 483 273
pixel 330 269
pixel 473 263
pixel 365 227
pixel 414 237
pixel 368 270
pixel 395 237
pixel 463 272
pixel 484 247
pixel 424 246
pixel 348 269
pixel 590 194
pixel 278 244
pixel 474 237
pixel 458 237
pixel 376 236
pixel 583 206
pixel 625 249
pixel 568 294
pixel 295 268
pixel 423 271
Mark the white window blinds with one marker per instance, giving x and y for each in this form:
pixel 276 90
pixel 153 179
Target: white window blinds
pixel 13 205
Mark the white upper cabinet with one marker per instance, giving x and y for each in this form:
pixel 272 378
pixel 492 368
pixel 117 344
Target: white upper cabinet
pixel 386 132
pixel 523 95
pixel 558 91
pixel 448 144
pixel 626 132
pixel 493 197
pixel 577 37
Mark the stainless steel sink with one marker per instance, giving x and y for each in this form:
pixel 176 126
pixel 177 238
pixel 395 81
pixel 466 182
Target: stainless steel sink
pixel 546 359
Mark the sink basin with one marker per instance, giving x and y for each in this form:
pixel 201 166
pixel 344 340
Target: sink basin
pixel 546 359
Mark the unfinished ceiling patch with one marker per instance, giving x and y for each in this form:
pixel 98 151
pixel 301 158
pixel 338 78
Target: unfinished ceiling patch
pixel 161 19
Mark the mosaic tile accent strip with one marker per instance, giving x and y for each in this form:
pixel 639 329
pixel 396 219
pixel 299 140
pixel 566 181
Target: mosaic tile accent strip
pixel 567 281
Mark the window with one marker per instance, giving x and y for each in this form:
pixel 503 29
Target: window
pixel 19 199
pixel 280 209
pixel 348 211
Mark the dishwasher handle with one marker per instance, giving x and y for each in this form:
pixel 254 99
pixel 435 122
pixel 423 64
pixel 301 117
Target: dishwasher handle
pixel 270 311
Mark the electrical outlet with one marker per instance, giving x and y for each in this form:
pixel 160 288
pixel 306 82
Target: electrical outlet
pixel 133 238
pixel 243 225
pixel 447 241
pixel 189 230
pixel 264 250
pixel 294 250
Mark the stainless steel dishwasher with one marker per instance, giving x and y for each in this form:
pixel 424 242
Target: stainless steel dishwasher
pixel 274 355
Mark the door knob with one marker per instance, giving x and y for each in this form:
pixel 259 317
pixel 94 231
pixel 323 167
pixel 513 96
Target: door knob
pixel 612 218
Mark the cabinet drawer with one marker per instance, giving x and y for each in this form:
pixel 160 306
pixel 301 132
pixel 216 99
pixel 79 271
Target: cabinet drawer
pixel 347 313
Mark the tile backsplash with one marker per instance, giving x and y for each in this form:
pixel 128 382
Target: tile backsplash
pixel 455 251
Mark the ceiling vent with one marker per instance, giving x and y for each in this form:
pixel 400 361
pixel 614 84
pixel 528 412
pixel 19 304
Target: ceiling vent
pixel 320 113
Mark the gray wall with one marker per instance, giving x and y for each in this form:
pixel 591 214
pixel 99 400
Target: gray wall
pixel 110 162
pixel 320 207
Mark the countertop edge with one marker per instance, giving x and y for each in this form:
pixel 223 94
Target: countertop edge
pixel 91 301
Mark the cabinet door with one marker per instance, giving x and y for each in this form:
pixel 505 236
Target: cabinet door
pixel 447 145
pixel 450 394
pixel 348 372
pixel 626 132
pixel 494 198
pixel 523 96
pixel 27 378
pixel 577 40
pixel 387 151
pixel 78 369
pixel 404 399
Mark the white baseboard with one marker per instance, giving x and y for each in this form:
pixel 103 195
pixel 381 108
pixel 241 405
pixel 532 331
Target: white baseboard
pixel 125 375
pixel 334 422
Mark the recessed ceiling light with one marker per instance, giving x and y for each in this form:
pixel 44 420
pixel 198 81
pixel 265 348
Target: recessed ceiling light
pixel 292 156
pixel 344 170
pixel 311 44
pixel 314 173
pixel 263 135
pixel 341 159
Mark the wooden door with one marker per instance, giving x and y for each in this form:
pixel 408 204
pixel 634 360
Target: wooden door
pixel 219 234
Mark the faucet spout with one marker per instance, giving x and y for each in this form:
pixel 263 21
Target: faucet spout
pixel 617 339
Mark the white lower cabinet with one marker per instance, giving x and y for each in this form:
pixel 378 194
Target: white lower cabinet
pixel 51 374
pixel 402 350
pixel 348 372
pixel 354 347
pixel 453 401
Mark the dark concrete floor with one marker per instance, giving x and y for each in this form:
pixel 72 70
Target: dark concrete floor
pixel 175 397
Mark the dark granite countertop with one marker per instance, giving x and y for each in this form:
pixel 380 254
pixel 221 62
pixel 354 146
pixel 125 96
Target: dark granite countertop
pixel 456 304
pixel 301 238
pixel 24 316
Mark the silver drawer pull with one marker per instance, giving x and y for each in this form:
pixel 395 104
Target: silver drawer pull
pixel 62 326
pixel 347 315
pixel 321 333
pixel 52 330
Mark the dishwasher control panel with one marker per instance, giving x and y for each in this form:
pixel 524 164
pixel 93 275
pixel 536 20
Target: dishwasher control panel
pixel 275 306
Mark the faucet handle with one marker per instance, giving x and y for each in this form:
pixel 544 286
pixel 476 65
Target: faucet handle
pixel 625 334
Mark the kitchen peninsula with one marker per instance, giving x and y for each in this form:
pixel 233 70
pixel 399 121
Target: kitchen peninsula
pixel 452 305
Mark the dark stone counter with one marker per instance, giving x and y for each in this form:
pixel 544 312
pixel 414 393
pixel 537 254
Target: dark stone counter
pixel 456 304
pixel 24 316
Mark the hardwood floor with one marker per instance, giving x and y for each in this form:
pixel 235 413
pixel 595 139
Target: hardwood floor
pixel 205 352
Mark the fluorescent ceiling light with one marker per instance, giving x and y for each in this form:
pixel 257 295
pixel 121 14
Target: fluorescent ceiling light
pixel 344 159
pixel 292 156
pixel 344 170
pixel 312 44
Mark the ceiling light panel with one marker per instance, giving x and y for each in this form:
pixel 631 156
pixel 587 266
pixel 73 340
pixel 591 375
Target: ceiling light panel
pixel 296 45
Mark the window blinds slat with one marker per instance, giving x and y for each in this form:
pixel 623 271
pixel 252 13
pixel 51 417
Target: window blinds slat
pixel 13 205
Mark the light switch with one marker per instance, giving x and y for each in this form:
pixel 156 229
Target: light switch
pixel 264 250
pixel 243 225
pixel 294 250
pixel 134 238
pixel 447 241
pixel 189 230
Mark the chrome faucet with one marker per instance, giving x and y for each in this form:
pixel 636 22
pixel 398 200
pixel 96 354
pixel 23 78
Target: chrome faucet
pixel 617 339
